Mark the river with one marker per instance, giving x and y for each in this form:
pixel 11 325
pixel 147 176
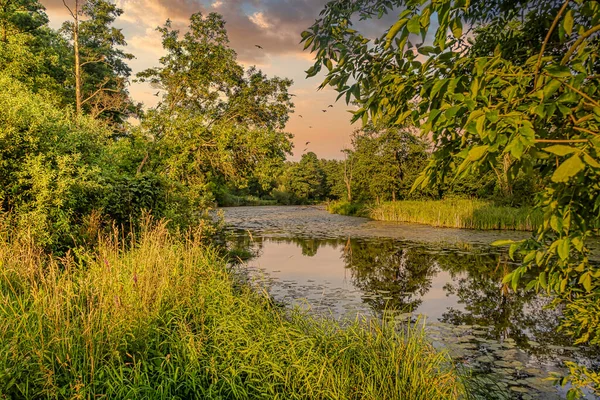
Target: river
pixel 347 267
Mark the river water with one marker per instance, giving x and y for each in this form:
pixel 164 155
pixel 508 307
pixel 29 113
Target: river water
pixel 343 267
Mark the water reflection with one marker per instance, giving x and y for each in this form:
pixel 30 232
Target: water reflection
pixel 509 338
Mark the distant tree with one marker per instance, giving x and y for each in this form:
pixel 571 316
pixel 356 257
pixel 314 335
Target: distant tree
pixel 306 179
pixel 384 163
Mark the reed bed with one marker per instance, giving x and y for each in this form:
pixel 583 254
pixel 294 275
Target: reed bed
pixel 159 316
pixel 459 213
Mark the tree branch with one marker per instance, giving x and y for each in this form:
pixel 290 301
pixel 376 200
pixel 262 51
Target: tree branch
pixel 101 89
pixel 546 40
pixel 583 36
pixel 586 131
pixel 561 140
pixel 69 8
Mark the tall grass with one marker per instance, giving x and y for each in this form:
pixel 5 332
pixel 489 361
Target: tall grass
pixel 458 213
pixel 159 316
pixel 342 207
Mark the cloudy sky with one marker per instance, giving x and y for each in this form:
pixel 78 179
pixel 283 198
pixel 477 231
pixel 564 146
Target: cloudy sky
pixel 273 24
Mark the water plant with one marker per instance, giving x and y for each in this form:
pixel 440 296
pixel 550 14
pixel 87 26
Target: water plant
pixel 458 213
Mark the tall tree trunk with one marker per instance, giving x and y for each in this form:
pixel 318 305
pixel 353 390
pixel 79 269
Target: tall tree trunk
pixel 78 99
pixel 75 15
pixel 348 180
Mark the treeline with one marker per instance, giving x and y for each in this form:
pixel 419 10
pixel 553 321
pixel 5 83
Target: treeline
pixel 381 165
pixel 78 153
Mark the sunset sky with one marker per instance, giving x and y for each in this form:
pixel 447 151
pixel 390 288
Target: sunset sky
pixel 273 24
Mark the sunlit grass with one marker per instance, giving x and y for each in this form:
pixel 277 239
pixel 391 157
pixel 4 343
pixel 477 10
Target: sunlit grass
pixel 346 208
pixel 161 316
pixel 458 213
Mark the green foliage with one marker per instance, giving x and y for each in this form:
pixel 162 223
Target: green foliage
pixel 161 316
pixel 346 208
pixel 216 123
pixel 50 165
pixel 31 52
pixel 305 180
pixel 489 107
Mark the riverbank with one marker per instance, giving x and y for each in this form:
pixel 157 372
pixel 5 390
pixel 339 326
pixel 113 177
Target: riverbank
pixel 449 213
pixel 162 316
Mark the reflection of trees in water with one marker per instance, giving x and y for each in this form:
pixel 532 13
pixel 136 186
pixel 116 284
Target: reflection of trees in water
pixel 522 316
pixel 398 277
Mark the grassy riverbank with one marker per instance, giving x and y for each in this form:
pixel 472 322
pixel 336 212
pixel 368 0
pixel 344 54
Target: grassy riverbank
pixel 162 317
pixel 450 213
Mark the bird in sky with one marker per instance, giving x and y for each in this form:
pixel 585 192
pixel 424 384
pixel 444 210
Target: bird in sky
pixel 300 116
pixel 310 127
pixel 331 105
pixel 293 95
pixel 304 151
pixel 307 143
pixel 324 110
pixel 157 93
pixel 256 45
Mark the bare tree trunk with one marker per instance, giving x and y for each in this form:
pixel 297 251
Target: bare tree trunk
pixel 348 179
pixel 75 15
pixel 78 98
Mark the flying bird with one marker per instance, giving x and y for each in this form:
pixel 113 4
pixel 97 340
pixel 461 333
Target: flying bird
pixel 324 110
pixel 256 45
pixel 300 116
pixel 292 94
pixel 157 93
pixel 331 105
pixel 307 143
pixel 304 150
pixel 310 127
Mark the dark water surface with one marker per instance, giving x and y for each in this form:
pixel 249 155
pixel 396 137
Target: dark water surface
pixel 342 267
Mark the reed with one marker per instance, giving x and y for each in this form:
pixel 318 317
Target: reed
pixel 159 316
pixel 458 213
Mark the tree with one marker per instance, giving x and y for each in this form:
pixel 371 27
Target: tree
pixel 30 51
pixel 306 179
pixel 216 121
pixel 100 67
pixel 483 95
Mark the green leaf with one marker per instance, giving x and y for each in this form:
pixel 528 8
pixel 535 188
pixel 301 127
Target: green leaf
pixel 492 116
pixel 590 161
pixel 568 169
pixel 394 31
pixel 560 71
pixel 502 242
pixel 568 22
pixel 477 152
pixel 560 149
pixel 563 249
pixel 512 249
pixel 586 281
pixel 457 28
pixel 542 279
pixel 414 25
pixel 550 88
pixel 515 279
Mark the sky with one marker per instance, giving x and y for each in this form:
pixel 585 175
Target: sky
pixel 275 25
